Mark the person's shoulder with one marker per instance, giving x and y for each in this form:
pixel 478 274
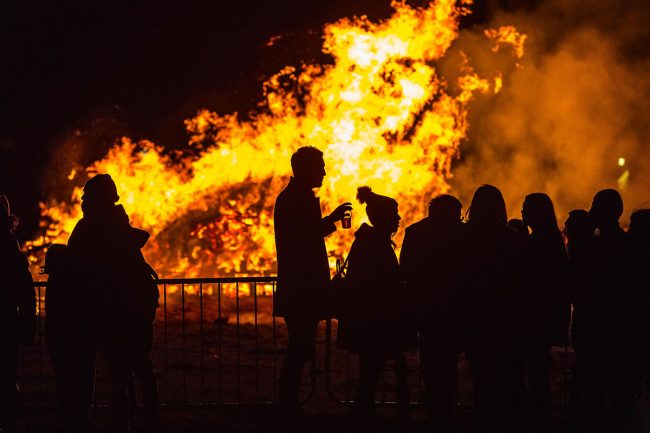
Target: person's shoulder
pixel 285 195
pixel 9 243
pixel 418 226
pixel 80 232
pixel 507 234
pixel 11 254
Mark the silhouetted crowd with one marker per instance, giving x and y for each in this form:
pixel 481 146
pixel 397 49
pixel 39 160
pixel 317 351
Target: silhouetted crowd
pixel 501 292
pixel 101 299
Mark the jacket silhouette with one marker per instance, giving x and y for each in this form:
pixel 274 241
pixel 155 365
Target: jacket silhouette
pixel 70 341
pixel 303 268
pixel 375 324
pixel 17 314
pixel 431 261
pixel 546 305
pixel 303 271
pixel 493 278
pixel 105 250
pixel 612 355
pixel 639 239
pixel 374 296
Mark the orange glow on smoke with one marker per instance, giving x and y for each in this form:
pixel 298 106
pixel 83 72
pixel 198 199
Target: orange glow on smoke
pixel 380 113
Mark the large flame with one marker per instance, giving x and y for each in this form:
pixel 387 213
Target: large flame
pixel 380 112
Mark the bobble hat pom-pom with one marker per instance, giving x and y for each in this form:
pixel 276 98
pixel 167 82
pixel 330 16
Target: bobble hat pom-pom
pixel 364 194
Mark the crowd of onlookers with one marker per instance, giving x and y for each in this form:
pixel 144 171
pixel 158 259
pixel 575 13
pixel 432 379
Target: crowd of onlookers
pixel 101 299
pixel 501 292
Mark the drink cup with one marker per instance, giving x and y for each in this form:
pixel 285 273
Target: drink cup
pixel 346 222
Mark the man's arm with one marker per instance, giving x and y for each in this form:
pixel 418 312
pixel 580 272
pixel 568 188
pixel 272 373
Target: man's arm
pixel 327 224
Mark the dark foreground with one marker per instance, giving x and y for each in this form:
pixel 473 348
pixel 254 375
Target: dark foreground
pixel 322 416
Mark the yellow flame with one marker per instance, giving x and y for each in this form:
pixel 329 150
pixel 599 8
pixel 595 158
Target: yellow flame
pixel 507 35
pixel 380 113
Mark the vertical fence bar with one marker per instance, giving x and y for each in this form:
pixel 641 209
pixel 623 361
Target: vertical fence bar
pixel 219 335
pixel 238 345
pixel 347 367
pixel 257 364
pixel 183 355
pixel 274 345
pixel 40 340
pixel 201 343
pixel 166 348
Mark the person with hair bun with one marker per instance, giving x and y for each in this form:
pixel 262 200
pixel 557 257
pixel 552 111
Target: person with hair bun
pixel 373 328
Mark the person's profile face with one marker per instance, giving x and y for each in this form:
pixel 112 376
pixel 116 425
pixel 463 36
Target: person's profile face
pixel 315 173
pixel 525 214
pixel 393 220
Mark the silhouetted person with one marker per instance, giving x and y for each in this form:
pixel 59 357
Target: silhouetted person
pixel 492 275
pixel 586 402
pixel 611 294
pixel 69 342
pixel 303 268
pixel 603 396
pixel 639 238
pixel 122 294
pixel 375 327
pixel 546 303
pixel 431 261
pixel 520 228
pixel 17 314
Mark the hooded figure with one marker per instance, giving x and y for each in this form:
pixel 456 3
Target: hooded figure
pixel 374 325
pixel 105 249
pixel 17 314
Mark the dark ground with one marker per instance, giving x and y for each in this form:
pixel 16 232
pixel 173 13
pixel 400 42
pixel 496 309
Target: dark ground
pixel 220 362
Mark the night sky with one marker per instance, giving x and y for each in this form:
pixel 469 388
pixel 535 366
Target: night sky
pixel 100 70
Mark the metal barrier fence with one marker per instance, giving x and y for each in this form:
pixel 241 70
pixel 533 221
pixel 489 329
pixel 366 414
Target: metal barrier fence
pixel 216 342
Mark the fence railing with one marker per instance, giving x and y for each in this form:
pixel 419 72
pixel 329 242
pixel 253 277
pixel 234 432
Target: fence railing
pixel 216 342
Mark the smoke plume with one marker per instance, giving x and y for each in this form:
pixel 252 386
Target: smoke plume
pixel 572 117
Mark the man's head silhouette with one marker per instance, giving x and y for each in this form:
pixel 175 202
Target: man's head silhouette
pixel 308 166
pixel 538 212
pixel 445 209
pixel 606 208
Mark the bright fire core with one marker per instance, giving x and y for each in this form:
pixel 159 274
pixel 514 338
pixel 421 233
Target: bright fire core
pixel 380 112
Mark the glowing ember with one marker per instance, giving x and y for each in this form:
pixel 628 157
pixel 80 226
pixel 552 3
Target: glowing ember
pixel 380 113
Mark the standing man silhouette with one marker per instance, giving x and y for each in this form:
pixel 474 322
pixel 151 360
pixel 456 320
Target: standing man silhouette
pixel 303 268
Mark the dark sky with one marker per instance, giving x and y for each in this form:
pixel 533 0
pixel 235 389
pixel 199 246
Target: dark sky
pixel 138 68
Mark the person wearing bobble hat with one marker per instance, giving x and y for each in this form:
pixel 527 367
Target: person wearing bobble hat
pixel 373 327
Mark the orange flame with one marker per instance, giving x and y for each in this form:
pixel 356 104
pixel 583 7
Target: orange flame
pixel 380 113
pixel 507 35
